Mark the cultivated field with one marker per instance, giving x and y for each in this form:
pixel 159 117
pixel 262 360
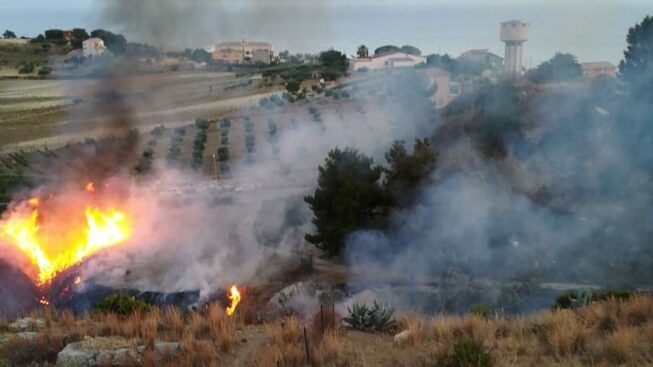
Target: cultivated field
pixel 36 113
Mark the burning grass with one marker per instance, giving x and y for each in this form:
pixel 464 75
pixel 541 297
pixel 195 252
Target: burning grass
pixel 608 333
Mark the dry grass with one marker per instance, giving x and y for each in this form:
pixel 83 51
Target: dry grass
pixel 608 333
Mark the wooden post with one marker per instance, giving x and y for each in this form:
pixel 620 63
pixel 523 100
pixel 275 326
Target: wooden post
pixel 308 355
pixel 322 317
pixel 333 307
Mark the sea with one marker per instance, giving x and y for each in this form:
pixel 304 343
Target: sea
pixel 593 30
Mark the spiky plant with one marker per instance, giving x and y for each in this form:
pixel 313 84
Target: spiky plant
pixel 376 318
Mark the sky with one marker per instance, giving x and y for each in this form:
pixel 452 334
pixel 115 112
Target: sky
pixel 593 30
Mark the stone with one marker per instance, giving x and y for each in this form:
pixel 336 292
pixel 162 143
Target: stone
pixel 302 298
pixel 74 355
pixel 402 337
pixel 28 335
pixel 124 356
pixel 27 322
pixel 98 351
pixel 163 348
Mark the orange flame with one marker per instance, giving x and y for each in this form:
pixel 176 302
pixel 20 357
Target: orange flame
pixel 234 297
pixel 44 301
pixel 90 187
pixel 50 253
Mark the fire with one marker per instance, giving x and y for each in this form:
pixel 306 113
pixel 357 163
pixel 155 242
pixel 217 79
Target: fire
pixel 234 297
pixel 90 187
pixel 55 247
pixel 44 301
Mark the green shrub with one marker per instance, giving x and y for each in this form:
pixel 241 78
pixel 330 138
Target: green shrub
pixel 202 123
pixel 157 131
pixel 249 126
pixel 226 122
pixel 375 318
pixel 46 70
pixel 121 304
pixel 250 141
pixel 466 353
pixel 572 300
pixel 481 310
pixel 223 154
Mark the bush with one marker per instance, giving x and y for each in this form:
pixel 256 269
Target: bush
pixel 249 126
pixel 226 122
pixel 481 310
pixel 223 154
pixel 466 353
pixel 364 318
pixel 202 123
pixel 121 304
pixel 250 141
pixel 27 68
pixel 572 300
pixel 157 131
pixel 46 70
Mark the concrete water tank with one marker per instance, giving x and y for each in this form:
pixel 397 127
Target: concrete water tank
pixel 514 33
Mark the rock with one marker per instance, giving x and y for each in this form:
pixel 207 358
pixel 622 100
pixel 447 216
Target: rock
pixel 163 348
pixel 74 355
pixel 27 322
pixel 28 335
pixel 124 356
pixel 301 298
pixel 98 351
pixel 402 337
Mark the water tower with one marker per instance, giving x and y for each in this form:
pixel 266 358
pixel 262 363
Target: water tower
pixel 514 33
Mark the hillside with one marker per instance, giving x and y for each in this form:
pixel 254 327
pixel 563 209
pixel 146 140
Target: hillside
pixel 607 333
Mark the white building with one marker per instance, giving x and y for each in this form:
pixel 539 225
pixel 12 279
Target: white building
pixel 388 61
pixel 93 47
pixel 243 52
pixel 446 90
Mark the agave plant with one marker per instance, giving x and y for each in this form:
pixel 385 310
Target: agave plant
pixel 365 318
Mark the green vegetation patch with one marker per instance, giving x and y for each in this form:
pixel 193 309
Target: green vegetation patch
pixel 121 304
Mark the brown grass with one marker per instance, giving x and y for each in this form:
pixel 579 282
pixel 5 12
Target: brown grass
pixel 608 333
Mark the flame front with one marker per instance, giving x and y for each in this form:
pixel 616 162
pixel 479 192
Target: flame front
pixel 54 253
pixel 234 297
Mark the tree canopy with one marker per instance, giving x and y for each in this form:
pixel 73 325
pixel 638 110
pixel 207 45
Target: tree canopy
pixel 9 34
pixel 114 42
pixel 334 64
pixel 561 67
pixel 387 49
pixel 54 35
pixel 363 52
pixel 412 50
pixel 637 66
pixel 407 172
pixel 79 35
pixel 349 197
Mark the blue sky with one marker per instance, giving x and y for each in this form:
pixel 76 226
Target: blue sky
pixel 591 29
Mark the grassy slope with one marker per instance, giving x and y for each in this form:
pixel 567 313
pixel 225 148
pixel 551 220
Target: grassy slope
pixel 602 334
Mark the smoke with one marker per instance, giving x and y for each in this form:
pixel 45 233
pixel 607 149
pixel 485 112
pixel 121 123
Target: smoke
pixel 567 202
pixel 199 23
